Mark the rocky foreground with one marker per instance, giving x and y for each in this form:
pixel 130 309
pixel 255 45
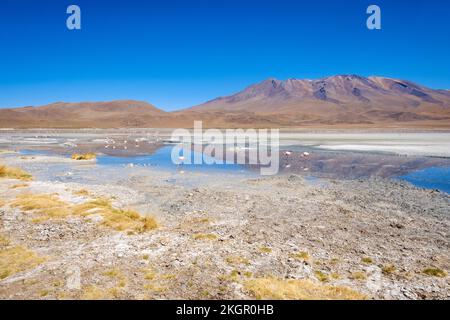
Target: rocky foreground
pixel 226 237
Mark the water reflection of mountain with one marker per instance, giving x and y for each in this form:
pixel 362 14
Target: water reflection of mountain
pixel 356 165
pixel 318 163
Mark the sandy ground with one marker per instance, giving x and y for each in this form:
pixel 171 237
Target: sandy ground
pixel 217 232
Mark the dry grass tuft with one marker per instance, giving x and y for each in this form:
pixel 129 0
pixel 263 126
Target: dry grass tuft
pixel 201 220
pixel 302 256
pixel 359 275
pixel 265 250
pixel 235 275
pixel 335 276
pixel 155 287
pixel 280 289
pixel 117 219
pixel 113 273
pixel 94 293
pixel 17 259
pixel 43 293
pixel 435 272
pixel 367 260
pixel 389 269
pixel 4 241
pixel 20 185
pixel 81 193
pixel 205 236
pixel 85 156
pixel 48 206
pixel 157 282
pixel 323 277
pixel 118 275
pixel 150 274
pixel 14 173
pixel 236 260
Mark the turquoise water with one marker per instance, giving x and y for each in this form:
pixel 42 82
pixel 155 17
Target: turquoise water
pixel 430 178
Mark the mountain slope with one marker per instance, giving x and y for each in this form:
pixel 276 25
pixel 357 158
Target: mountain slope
pixel 114 114
pixel 346 99
pixel 343 101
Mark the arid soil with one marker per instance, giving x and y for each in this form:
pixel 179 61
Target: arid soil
pixel 223 237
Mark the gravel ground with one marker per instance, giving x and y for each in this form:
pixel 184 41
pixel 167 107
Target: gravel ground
pixel 376 236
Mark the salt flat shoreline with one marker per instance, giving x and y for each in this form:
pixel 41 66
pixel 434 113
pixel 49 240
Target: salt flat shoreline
pixel 219 234
pixel 416 143
pixel 293 130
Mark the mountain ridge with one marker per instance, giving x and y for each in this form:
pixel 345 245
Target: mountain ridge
pixel 334 89
pixel 334 100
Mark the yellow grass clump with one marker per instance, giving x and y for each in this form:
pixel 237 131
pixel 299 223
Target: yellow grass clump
pixel 155 281
pixel 205 236
pixel 321 276
pixel 117 219
pixel 302 256
pixel 358 275
pixel 84 156
pixel 20 185
pixel 17 259
pixel 49 206
pixel 236 260
pixel 434 272
pixel 281 289
pixel 44 293
pixel 4 241
pixel 389 269
pixel 150 274
pixel 265 250
pixel 94 293
pixel 81 193
pixel 201 220
pixel 118 276
pixel 335 276
pixel 367 260
pixel 14 173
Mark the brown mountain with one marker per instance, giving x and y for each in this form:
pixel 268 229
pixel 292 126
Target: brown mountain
pixel 339 101
pixel 346 99
pixel 114 114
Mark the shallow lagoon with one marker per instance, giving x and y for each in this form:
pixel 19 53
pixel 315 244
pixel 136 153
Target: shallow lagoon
pixel 430 178
pixel 419 158
pixel 344 165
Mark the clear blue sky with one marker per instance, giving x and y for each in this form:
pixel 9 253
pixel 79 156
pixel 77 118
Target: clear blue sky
pixel 177 54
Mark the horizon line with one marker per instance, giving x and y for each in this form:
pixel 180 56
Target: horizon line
pixel 131 99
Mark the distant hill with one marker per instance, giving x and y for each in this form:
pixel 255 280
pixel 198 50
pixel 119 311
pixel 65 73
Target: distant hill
pixel 120 113
pixel 338 101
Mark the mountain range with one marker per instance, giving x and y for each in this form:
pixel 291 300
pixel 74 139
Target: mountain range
pixel 337 101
